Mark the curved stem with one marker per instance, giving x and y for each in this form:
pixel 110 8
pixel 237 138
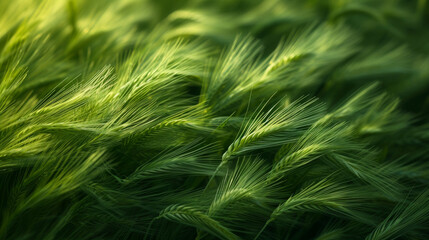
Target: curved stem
pixel 263 228
pixel 214 174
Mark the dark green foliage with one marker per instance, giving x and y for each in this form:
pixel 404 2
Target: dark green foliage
pixel 226 119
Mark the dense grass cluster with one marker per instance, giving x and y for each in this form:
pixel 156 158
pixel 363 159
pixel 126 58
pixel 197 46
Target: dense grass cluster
pixel 203 119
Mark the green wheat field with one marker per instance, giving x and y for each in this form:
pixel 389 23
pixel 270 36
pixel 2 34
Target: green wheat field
pixel 214 119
